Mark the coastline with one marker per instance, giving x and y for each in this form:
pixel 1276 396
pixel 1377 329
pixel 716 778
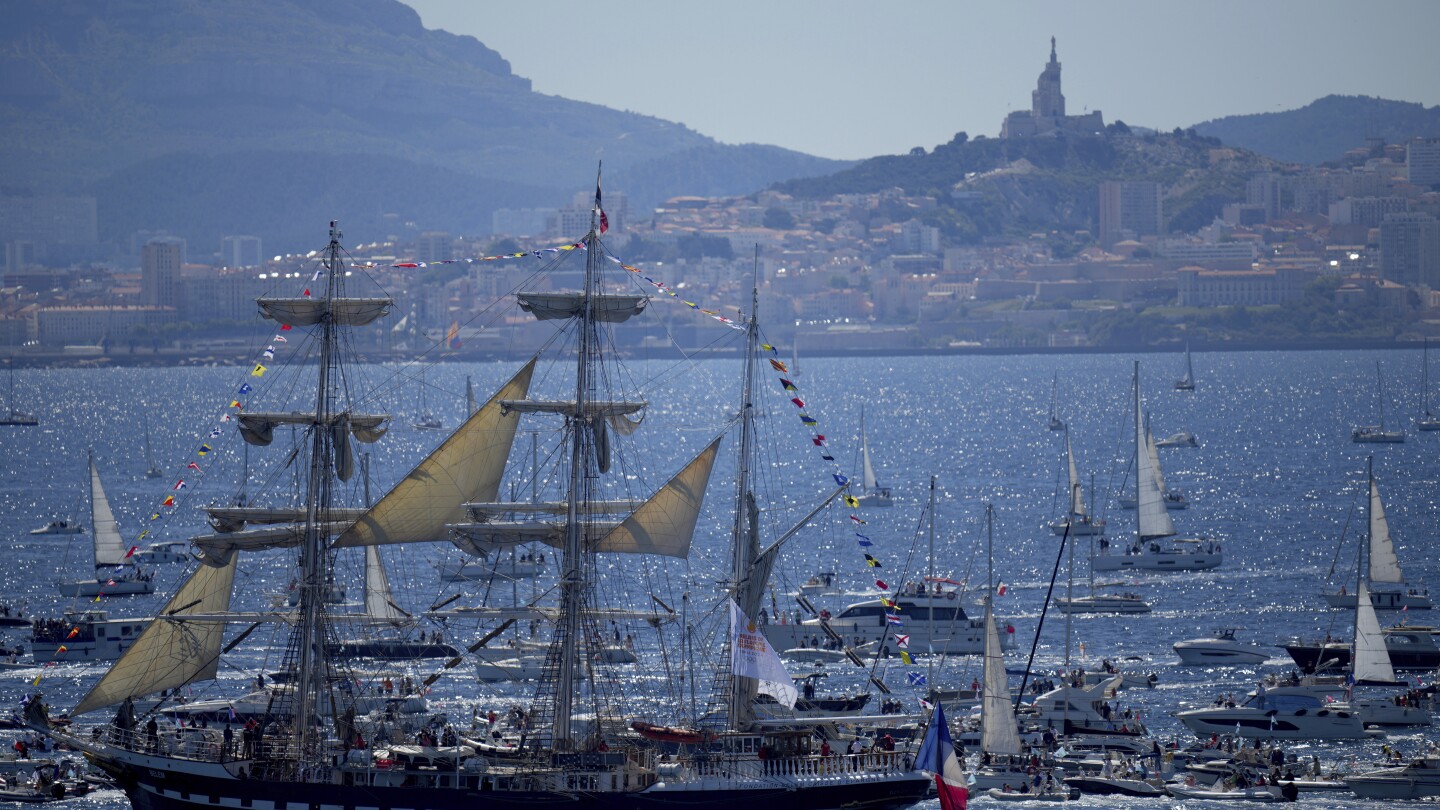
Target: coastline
pixel 178 358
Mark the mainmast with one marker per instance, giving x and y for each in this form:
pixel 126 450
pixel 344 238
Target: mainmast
pixel 312 667
pixel 745 533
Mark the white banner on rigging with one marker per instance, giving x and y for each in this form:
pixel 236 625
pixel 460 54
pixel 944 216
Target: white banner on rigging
pixel 752 656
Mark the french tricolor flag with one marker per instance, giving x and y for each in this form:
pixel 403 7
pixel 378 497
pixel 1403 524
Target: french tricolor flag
pixel 937 755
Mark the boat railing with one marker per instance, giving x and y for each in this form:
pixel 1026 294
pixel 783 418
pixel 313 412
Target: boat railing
pixel 750 767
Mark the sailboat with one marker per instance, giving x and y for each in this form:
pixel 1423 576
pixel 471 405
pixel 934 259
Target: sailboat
pixel 111 555
pixel 14 417
pixel 579 748
pixel 1387 587
pixel 1078 521
pixel 152 470
pixel 427 420
pixel 871 493
pixel 1152 518
pixel 1187 381
pixel 1055 422
pixel 1172 498
pixel 1426 420
pixel 1378 434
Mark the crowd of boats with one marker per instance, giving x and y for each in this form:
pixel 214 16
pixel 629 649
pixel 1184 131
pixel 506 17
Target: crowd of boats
pixel 339 721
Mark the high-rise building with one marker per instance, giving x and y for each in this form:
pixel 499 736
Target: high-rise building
pixel 240 251
pixel 1422 161
pixel 1410 249
pixel 434 246
pixel 1129 209
pixel 160 262
pixel 1264 190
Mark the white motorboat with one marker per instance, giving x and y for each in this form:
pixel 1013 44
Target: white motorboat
pixel 1102 785
pixel 86 635
pixel 1378 434
pixel 528 668
pixel 1388 588
pixel 1055 793
pixel 1217 792
pixel 826 583
pixel 1280 717
pixel 121 576
pixel 935 620
pixel 1152 518
pixel 61 526
pixel 1415 779
pixel 1181 439
pixel 170 551
pixel 1220 648
pixel 525 566
pixel 1104 603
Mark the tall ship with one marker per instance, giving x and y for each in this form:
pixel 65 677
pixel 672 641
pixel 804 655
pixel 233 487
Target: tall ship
pixel 581 738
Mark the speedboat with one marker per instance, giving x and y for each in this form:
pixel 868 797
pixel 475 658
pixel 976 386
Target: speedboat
pixel 1112 786
pixel 1417 779
pixel 1218 792
pixel 170 551
pixel 60 527
pixel 1409 646
pixel 1376 434
pixel 1104 603
pixel 1181 439
pixel 823 584
pixel 1220 648
pixel 1280 716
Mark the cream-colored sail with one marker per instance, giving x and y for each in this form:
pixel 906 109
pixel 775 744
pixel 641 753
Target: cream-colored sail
pixel 1077 497
pixel 171 652
pixel 379 601
pixel 109 545
pixel 1371 659
pixel 467 466
pixel 665 524
pixel 998 734
pixel 1384 565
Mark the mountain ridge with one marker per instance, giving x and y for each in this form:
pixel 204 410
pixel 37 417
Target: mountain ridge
pixel 1323 130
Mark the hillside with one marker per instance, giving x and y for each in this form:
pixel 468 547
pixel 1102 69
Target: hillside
pixel 1324 129
pixel 232 116
pixel 991 187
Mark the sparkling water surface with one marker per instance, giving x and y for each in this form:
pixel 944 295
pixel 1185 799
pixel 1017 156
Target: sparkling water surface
pixel 1275 479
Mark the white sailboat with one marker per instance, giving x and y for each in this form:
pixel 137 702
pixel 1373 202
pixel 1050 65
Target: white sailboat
pixel 14 417
pixel 1387 585
pixel 428 420
pixel 871 492
pixel 125 578
pixel 1187 381
pixel 1056 423
pixel 1427 420
pixel 1078 521
pixel 152 470
pixel 1378 434
pixel 1152 518
pixel 1172 498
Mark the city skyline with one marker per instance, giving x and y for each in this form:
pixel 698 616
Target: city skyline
pixel 921 72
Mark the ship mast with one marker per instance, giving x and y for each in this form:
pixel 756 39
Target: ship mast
pixel 314 557
pixel 745 534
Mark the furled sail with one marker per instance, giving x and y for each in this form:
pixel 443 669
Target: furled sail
pixel 606 308
pixel 259 428
pixel 234 518
pixel 997 718
pixel 467 466
pixel 109 545
pixel 1384 565
pixel 310 311
pixel 219 549
pixel 1371 659
pixel 566 407
pixel 171 652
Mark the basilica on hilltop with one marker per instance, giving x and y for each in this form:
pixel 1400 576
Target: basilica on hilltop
pixel 1046 115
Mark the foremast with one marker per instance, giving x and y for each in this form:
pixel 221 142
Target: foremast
pixel 745 533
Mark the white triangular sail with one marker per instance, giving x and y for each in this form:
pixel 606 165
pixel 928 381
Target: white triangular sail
pixel 1371 661
pixel 109 545
pixel 171 652
pixel 1384 565
pixel 467 466
pixel 751 656
pixel 870 482
pixel 1077 496
pixel 1154 450
pixel 1152 516
pixel 998 734
pixel 379 600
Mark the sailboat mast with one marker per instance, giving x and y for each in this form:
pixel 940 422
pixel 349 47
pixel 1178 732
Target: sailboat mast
pixel 572 576
pixel 744 536
pixel 930 626
pixel 312 674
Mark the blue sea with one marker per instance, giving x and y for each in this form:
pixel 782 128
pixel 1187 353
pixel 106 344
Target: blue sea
pixel 1275 478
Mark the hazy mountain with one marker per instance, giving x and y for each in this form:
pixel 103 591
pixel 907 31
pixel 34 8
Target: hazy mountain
pixel 229 116
pixel 1324 129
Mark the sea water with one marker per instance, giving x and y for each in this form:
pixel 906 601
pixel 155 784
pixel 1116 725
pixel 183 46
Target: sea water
pixel 1275 479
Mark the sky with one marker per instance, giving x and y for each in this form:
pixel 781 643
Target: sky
pixel 849 79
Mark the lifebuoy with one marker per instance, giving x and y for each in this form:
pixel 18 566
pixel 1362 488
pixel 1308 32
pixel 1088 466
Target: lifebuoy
pixel 950 595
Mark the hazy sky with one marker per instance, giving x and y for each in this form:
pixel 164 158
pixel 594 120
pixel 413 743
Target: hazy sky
pixel 852 79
